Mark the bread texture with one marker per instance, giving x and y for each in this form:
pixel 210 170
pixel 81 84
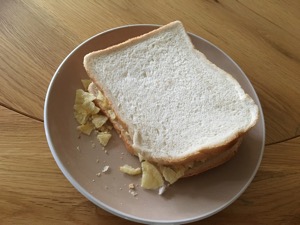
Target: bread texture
pixel 171 104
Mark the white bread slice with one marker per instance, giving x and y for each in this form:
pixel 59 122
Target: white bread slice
pixel 172 105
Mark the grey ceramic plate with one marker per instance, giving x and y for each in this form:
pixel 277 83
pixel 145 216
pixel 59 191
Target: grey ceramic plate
pixel 187 200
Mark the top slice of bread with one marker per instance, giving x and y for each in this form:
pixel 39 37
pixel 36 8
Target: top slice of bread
pixel 174 103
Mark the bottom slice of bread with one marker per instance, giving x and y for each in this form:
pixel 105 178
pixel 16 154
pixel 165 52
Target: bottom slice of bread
pixel 214 161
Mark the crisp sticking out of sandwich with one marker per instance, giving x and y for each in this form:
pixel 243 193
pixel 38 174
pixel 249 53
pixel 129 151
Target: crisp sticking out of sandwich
pixel 170 104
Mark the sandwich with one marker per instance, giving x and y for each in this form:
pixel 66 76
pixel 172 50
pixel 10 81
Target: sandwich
pixel 173 108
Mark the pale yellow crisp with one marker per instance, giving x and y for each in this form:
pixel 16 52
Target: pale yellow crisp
pixel 130 170
pixel 151 178
pixel 99 120
pixel 172 175
pixel 86 128
pixel 86 83
pixel 103 138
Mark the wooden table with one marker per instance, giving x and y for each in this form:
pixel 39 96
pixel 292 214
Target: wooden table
pixel 263 37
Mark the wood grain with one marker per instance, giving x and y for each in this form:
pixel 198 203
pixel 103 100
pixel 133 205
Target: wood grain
pixel 34 191
pixel 263 37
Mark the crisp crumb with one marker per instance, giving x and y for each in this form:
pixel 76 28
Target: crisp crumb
pixel 122 153
pixel 97 161
pixel 121 189
pixel 132 192
pixel 93 145
pixel 105 169
pixel 93 180
pixel 98 174
pixel 78 148
pixel 131 186
pixel 106 152
pixel 130 170
pixel 161 190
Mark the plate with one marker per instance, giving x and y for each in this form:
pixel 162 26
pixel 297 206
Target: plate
pixel 81 157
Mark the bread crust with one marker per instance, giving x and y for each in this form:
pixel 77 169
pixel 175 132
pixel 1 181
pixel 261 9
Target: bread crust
pixel 126 44
pixel 199 155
